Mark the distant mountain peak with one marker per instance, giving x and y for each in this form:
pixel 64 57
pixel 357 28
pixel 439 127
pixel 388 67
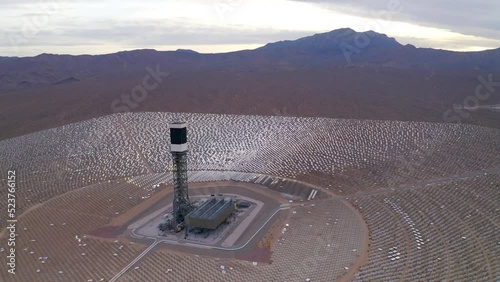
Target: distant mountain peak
pixel 333 41
pixel 138 51
pixel 186 51
pixel 338 31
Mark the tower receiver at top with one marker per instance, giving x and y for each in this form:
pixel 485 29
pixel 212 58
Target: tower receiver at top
pixel 178 137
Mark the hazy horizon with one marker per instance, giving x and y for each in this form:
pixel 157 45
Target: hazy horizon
pixel 75 27
pixel 214 49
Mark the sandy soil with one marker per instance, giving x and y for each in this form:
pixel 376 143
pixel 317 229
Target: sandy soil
pixel 270 238
pixel 137 210
pixel 235 92
pixel 363 258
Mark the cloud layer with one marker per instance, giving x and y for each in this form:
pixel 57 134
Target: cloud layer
pixel 477 18
pixel 29 27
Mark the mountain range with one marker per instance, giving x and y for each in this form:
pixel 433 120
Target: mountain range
pixel 338 74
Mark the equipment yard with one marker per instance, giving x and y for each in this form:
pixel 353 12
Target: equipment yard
pixel 243 225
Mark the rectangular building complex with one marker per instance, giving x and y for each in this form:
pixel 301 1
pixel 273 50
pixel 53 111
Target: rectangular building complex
pixel 211 213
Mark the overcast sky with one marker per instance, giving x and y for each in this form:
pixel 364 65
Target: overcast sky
pixel 31 27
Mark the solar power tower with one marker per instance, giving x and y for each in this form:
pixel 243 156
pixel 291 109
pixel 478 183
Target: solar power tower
pixel 179 149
